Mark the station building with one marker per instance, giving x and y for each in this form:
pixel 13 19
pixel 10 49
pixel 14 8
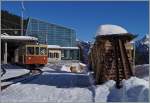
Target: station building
pixel 56 53
pixel 45 32
pixel 53 34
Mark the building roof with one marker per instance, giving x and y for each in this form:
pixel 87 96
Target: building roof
pixel 69 47
pixel 54 46
pixel 59 47
pixel 6 37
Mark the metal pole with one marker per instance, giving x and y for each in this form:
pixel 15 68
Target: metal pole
pixel 22 5
pixel 22 23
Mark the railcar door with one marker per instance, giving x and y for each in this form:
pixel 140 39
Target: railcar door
pixel 43 57
pixel 30 53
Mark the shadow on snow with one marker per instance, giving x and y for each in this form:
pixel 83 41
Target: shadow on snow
pixel 61 80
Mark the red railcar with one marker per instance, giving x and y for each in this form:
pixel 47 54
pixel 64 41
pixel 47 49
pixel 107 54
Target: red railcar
pixel 33 55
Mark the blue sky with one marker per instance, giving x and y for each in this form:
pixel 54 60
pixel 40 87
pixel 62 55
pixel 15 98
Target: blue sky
pixel 85 17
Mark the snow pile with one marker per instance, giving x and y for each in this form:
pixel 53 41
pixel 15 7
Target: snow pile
pixel 75 67
pixel 137 89
pixel 102 91
pixel 109 29
pixel 65 68
pixel 142 71
pixel 134 90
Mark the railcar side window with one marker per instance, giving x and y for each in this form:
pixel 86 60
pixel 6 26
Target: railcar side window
pixel 43 51
pixel 30 50
pixel 37 50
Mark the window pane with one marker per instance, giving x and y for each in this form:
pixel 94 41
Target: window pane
pixel 42 51
pixel 51 55
pixel 57 55
pixel 30 50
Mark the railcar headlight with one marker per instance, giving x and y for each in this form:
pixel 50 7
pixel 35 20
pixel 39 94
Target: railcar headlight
pixel 29 58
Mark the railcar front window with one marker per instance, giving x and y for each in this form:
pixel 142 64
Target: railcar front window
pixel 37 50
pixel 43 51
pixel 30 50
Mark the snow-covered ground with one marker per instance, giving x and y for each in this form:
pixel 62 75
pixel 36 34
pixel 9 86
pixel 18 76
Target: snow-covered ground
pixel 58 86
pixel 51 87
pixel 142 71
pixel 13 71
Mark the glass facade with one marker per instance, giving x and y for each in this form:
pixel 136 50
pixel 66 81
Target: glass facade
pixel 68 54
pixel 51 34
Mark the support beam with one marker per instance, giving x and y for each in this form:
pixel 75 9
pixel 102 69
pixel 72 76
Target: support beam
pixel 5 54
pixel 16 55
pixel 116 51
pixel 127 61
pixel 123 59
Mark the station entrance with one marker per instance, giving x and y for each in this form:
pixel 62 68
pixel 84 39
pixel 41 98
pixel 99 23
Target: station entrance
pixel 9 45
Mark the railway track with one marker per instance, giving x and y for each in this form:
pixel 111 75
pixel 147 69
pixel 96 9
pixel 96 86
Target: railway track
pixel 23 78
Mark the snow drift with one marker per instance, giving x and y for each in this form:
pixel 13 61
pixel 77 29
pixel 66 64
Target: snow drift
pixel 134 90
